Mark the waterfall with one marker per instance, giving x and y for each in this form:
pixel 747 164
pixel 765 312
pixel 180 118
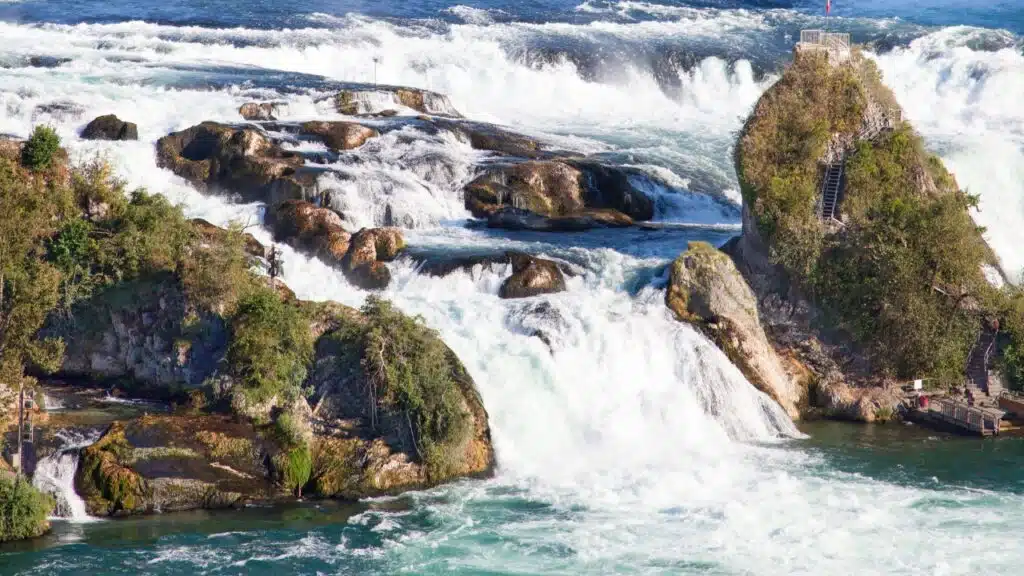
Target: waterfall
pixel 55 474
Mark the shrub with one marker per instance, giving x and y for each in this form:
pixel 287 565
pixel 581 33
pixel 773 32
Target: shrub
pixel 39 150
pixel 294 467
pixel 270 346
pixel 411 371
pixel 23 510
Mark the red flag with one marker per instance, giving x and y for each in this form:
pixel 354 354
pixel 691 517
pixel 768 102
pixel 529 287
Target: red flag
pixel 828 6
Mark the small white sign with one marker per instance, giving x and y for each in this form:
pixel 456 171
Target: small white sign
pixel 918 384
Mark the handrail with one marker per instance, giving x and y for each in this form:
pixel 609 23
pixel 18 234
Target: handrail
pixel 835 40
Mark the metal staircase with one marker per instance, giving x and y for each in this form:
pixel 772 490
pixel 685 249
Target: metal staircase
pixel 982 388
pixel 831 191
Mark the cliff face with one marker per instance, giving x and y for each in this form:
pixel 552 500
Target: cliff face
pixel 888 291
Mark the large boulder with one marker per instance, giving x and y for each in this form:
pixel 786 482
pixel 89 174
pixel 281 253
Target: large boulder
pixel 369 249
pixel 705 289
pixel 243 161
pixel 143 334
pixel 339 135
pixel 531 277
pixel 317 231
pixel 110 127
pixel 261 111
pixel 556 194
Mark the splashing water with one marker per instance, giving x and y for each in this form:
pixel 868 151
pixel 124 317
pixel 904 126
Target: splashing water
pixel 55 475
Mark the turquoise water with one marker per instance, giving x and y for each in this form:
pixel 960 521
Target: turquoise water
pixel 431 533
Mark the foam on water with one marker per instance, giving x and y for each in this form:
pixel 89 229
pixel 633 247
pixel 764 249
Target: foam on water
pixel 55 474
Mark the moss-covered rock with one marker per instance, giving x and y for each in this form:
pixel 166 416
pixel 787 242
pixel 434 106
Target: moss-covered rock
pixel 173 463
pixel 110 127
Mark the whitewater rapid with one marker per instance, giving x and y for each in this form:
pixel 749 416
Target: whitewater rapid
pixel 629 444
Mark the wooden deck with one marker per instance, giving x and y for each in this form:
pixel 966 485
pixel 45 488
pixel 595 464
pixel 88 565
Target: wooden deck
pixel 969 419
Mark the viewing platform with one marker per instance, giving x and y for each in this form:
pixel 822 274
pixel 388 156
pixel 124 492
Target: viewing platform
pixel 835 44
pixel 958 416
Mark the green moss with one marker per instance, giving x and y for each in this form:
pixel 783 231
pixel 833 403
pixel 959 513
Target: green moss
pixel 23 510
pixel 224 447
pixel 158 453
pixel 337 468
pixel 105 481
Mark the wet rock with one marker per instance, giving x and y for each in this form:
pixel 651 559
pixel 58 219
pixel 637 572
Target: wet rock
pixel 173 463
pixel 531 277
pixel 244 161
pixel 516 219
pixel 541 320
pixel 63 111
pixel 376 99
pixel 339 135
pixel 706 290
pixel 110 127
pixel 556 195
pixel 369 249
pixel 262 111
pixel 47 61
pixel 317 231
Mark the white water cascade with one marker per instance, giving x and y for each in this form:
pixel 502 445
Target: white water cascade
pixel 55 474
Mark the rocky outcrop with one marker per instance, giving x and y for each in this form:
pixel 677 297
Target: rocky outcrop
pixel 706 290
pixel 376 99
pixel 368 446
pixel 136 333
pixel 261 111
pixel 244 161
pixel 174 463
pixel 110 127
pixel 531 277
pixel 212 235
pixel 556 195
pixel 318 232
pixel 340 135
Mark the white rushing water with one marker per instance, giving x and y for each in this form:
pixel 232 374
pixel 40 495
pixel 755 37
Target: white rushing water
pixel 55 474
pixel 649 451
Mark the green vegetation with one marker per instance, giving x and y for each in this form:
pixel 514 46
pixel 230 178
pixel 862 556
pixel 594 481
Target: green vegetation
pixel 23 510
pixel 294 467
pixel 899 277
pixel 40 149
pixel 411 373
pixel 270 348
pixel 105 482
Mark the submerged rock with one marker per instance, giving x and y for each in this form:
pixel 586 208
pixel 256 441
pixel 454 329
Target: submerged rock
pixel 378 99
pixel 706 290
pixel 261 111
pixel 110 127
pixel 531 277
